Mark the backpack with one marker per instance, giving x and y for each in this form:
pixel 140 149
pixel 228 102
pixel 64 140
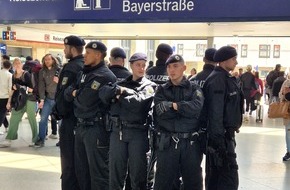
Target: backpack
pixel 33 67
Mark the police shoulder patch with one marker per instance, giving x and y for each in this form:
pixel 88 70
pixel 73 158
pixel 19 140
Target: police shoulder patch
pixel 95 85
pixel 64 80
pixel 199 93
pixel 149 90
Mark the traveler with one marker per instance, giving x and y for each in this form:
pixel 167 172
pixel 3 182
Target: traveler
pixel 248 84
pixel 284 95
pixel 277 86
pixel 5 86
pixel 47 82
pixel 24 103
pixel 270 79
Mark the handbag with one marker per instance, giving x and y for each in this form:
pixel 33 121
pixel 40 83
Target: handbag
pixel 279 110
pixel 19 99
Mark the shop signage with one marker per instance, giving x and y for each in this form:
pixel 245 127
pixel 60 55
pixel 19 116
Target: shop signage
pixel 8 35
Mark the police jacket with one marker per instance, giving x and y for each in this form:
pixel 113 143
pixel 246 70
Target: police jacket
pixel 87 102
pixel 67 77
pixel 223 102
pixel 120 72
pixel 189 99
pixel 199 79
pixel 133 106
pixel 158 74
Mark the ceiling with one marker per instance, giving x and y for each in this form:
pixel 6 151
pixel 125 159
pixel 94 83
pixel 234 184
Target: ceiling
pixel 168 30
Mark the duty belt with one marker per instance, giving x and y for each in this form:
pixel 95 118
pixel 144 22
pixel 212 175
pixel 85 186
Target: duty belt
pixel 117 122
pixel 88 121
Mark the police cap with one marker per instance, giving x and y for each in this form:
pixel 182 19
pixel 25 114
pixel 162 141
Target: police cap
pixel 209 53
pixel 118 52
pixel 74 41
pixel 163 51
pixel 224 53
pixel 96 45
pixel 138 56
pixel 174 59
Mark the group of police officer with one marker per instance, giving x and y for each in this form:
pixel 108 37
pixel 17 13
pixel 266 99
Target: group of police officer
pixel 106 114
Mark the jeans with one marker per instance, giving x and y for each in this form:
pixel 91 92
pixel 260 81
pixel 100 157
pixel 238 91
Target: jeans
pixel 287 135
pixel 45 112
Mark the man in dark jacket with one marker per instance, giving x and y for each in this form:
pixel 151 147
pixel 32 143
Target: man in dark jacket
pixel 224 105
pixel 178 103
pixel 270 79
pixel 117 61
pixel 91 137
pixel 73 48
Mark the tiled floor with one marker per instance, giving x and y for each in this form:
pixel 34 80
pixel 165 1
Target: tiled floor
pixel 260 147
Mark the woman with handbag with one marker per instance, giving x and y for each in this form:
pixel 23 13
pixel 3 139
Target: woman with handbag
pixel 284 95
pixel 20 101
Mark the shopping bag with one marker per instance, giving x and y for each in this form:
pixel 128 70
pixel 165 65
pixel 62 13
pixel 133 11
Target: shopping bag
pixel 279 110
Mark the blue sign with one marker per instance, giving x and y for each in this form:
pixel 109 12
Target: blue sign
pixel 124 11
pixel 3 49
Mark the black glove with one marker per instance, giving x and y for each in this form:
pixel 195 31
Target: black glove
pixel 128 92
pixel 162 107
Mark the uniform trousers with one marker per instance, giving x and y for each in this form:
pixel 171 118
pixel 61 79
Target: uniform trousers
pixel 16 117
pixel 92 157
pixel 129 153
pixel 225 176
pixel 66 144
pixel 174 159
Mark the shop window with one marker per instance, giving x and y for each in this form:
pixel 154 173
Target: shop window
pixel 264 51
pixel 244 50
pixel 150 50
pixel 200 49
pixel 180 49
pixel 276 51
pixel 126 45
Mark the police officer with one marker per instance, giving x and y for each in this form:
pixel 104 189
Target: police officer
pixel 208 67
pixel 132 99
pixel 117 61
pixel 73 48
pixel 224 119
pixel 158 73
pixel 178 103
pixel 91 137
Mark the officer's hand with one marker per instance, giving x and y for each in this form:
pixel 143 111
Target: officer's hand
pixel 127 91
pixel 162 107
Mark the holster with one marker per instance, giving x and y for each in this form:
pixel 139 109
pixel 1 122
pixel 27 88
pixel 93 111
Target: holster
pixel 163 141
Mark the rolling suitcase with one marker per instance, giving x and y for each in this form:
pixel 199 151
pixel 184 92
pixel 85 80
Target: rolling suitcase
pixel 259 113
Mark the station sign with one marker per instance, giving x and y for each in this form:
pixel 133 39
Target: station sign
pixel 133 11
